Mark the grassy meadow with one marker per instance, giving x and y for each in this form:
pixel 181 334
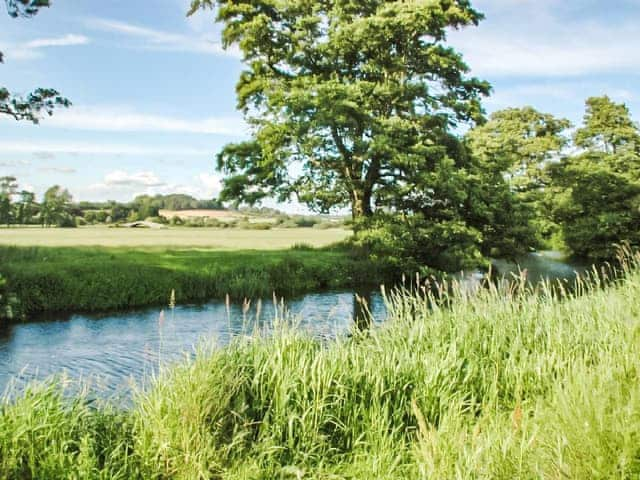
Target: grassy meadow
pixel 211 238
pixel 504 384
pixel 100 269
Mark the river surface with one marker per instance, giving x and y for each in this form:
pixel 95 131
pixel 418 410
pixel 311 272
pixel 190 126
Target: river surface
pixel 111 350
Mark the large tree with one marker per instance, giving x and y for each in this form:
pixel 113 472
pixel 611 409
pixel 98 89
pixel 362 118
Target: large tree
pixel 29 107
pixel 56 206
pixel 347 100
pixel 521 143
pixel 599 201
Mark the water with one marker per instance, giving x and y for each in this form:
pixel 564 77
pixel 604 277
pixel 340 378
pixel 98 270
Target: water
pixel 113 349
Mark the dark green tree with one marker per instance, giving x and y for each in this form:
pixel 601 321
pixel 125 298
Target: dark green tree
pixel 26 208
pixel 599 209
pixel 8 188
pixel 608 127
pixel 345 99
pixel 29 107
pixel 599 201
pixel 56 206
pixel 521 143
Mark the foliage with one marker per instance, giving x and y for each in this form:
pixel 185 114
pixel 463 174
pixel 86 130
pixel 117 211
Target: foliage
pixel 410 243
pixel 56 207
pixel 598 208
pixel 8 188
pixel 354 95
pixel 41 100
pixel 598 191
pixel 502 384
pixel 25 8
pixel 607 127
pixel 99 279
pixel 9 305
pixel 519 144
pixel 456 215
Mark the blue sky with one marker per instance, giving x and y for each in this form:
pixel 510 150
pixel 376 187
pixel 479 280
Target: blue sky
pixel 154 96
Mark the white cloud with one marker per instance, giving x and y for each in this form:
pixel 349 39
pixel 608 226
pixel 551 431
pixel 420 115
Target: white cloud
pixel 31 49
pixel 123 186
pixel 125 120
pixel 138 179
pixel 87 148
pixel 14 163
pixel 163 40
pixel 536 39
pixel 210 185
pixel 64 41
pixel 54 169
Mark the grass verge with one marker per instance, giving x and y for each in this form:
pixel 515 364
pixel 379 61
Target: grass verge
pixel 50 279
pixel 500 385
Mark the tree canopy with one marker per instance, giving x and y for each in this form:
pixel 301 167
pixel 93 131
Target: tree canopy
pixel 29 107
pixel 346 100
pixel 608 127
pixel 598 204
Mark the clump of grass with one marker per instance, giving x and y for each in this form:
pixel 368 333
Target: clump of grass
pixel 498 383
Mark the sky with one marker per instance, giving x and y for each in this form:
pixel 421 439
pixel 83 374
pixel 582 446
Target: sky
pixel 154 100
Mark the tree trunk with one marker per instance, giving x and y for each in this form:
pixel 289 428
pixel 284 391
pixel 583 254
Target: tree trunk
pixel 360 206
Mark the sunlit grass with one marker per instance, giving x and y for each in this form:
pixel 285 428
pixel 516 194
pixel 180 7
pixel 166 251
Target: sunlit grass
pixel 49 279
pixel 176 237
pixel 505 384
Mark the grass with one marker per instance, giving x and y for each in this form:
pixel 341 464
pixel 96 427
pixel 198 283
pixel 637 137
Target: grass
pixel 176 237
pixel 100 269
pixel 503 384
pixel 49 279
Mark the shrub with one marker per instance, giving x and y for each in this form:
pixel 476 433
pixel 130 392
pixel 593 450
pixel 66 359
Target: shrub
pixel 9 305
pixel 255 225
pixel 306 222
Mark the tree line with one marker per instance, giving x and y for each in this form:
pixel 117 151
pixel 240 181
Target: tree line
pixel 57 208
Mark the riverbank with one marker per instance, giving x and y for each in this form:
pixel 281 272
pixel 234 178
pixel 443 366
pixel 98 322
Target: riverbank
pixel 95 279
pixel 498 385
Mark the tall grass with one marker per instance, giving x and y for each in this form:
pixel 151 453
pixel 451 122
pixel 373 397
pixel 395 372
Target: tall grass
pixel 50 279
pixel 501 383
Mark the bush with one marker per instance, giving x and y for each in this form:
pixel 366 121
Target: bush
pixel 213 223
pixel 325 225
pixel 306 222
pixel 66 221
pixel 413 244
pixel 255 226
pixel 195 222
pixel 9 305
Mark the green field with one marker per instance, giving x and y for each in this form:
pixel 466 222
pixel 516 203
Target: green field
pixel 211 238
pixel 503 385
pixel 101 269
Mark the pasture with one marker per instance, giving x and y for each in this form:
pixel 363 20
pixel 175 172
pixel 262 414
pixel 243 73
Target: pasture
pixel 209 238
